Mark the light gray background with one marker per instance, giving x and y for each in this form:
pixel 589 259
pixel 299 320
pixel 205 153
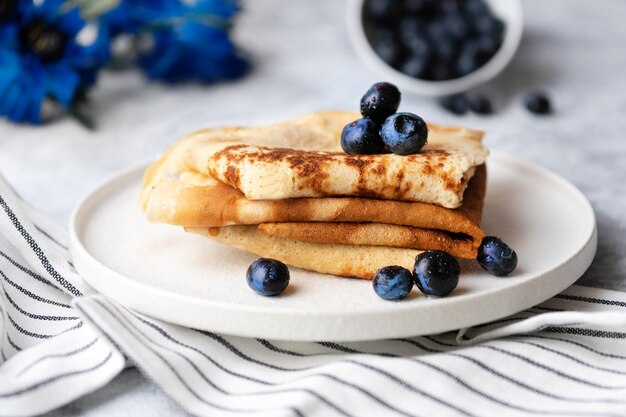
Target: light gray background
pixel 574 49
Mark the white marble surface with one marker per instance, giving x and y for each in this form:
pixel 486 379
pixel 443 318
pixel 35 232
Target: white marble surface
pixel 572 48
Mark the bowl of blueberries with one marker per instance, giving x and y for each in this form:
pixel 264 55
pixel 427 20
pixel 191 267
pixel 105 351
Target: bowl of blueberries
pixel 436 47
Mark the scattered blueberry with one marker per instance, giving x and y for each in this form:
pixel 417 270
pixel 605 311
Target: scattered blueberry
pixel 436 273
pixel 362 137
pixel 537 103
pixel 268 277
pixel 479 104
pixel 404 133
pixel 380 101
pixel 496 257
pixel 456 103
pixel 393 282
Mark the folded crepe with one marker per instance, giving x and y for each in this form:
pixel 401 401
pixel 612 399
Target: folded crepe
pixel 266 190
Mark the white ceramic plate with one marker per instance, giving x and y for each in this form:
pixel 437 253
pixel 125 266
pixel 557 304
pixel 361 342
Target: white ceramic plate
pixel 186 279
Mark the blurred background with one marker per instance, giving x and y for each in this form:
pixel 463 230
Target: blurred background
pixel 302 60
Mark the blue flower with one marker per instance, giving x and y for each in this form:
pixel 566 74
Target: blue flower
pixel 182 40
pixel 46 52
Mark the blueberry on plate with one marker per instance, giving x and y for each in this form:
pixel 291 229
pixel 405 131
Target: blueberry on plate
pixel 496 257
pixel 362 137
pixel 436 273
pixel 537 103
pixel 456 104
pixel 380 101
pixel 404 133
pixel 479 104
pixel 393 282
pixel 267 276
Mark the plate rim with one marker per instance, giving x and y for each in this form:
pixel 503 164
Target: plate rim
pixel 86 265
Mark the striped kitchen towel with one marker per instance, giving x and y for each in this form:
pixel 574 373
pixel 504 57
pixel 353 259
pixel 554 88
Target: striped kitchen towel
pixel 60 340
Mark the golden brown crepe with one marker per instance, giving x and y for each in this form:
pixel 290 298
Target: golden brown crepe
pixel 357 261
pixel 344 235
pixel 329 220
pixel 303 158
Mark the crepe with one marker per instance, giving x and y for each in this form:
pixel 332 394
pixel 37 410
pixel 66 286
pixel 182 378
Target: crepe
pixel 200 183
pixel 302 158
pixel 357 261
pixel 196 201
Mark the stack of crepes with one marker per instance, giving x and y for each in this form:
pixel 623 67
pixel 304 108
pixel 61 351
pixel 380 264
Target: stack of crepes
pixel 288 191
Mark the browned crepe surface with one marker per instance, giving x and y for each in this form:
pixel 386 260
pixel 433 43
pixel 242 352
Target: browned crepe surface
pixel 332 220
pixel 454 231
pixel 357 261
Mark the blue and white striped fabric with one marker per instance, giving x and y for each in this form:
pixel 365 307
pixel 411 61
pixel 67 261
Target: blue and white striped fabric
pixel 60 340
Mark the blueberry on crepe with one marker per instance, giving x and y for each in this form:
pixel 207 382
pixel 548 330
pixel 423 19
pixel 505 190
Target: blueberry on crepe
pixel 404 133
pixel 361 137
pixel 380 101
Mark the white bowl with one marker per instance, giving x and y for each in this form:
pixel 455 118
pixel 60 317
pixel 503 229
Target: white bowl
pixel 510 11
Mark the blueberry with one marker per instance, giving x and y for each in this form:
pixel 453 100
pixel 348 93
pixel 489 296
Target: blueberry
pixel 456 103
pixel 415 6
pixel 380 101
pixel 387 47
pixel 449 6
pixel 409 29
pixel 468 60
pixel 268 276
pixel 537 103
pixel 479 104
pixel 445 50
pixel 456 26
pixel 436 273
pixel 439 71
pixel 415 66
pixel 488 45
pixel 487 24
pixel 422 8
pixel 496 257
pixel 436 30
pixel 393 282
pixel 362 137
pixel 383 10
pixel 475 8
pixel 404 133
pixel 418 47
